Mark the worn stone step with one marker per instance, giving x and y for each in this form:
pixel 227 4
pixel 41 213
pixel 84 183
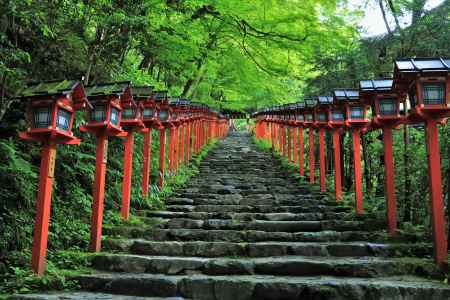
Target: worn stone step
pixel 158 215
pixel 265 249
pixel 275 265
pixel 238 199
pixel 256 236
pixel 86 296
pixel 256 208
pixel 270 226
pixel 264 287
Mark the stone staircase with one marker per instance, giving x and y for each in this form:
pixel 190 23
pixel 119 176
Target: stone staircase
pixel 245 228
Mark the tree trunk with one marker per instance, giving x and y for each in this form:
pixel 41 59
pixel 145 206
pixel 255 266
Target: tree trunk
pixel 383 12
pixel 89 69
pixel 406 171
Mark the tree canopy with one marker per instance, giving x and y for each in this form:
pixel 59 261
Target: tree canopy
pixel 227 53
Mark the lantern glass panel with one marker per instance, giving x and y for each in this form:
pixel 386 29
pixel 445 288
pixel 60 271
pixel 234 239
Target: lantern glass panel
pixel 356 113
pixel 322 117
pixel 309 117
pixel 129 113
pixel 337 115
pixel 63 119
pixel 300 117
pixel 433 93
pixel 114 116
pixel 174 115
pixel 42 117
pixel 98 113
pixel 148 113
pixel 163 115
pixel 388 107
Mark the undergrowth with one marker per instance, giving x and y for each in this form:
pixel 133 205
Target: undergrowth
pixel 69 230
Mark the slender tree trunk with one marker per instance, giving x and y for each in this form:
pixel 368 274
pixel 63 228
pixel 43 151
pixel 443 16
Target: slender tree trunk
pixel 383 13
pixel 87 75
pixel 407 182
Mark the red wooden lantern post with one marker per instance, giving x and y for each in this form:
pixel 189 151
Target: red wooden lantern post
pixel 104 121
pixel 322 116
pixel 336 122
pixel 50 114
pixel 174 138
pixel 283 121
pixel 300 122
pixel 427 82
pixel 386 115
pixel 292 157
pixel 356 120
pixel 131 121
pixel 188 138
pixel 145 97
pixel 309 123
pixel 164 117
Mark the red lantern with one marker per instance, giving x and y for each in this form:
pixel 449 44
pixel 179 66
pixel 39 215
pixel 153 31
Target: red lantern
pixel 143 95
pixel 50 110
pixel 50 114
pixel 356 120
pixel 385 102
pixel 300 121
pixel 322 111
pixel 163 122
pixel 104 121
pixel 427 82
pixel 309 123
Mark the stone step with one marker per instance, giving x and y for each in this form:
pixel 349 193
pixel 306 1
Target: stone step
pixel 275 265
pixel 237 199
pixel 256 236
pixel 86 296
pixel 256 208
pixel 264 287
pixel 158 215
pixel 265 249
pixel 270 226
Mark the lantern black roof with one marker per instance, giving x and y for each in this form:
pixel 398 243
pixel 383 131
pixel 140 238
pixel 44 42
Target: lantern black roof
pixel 422 64
pixel 174 100
pixel 310 102
pixel 142 92
pixel 160 95
pixel 325 100
pixel 376 85
pixel 50 88
pixel 301 105
pixel 107 89
pixel 346 94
